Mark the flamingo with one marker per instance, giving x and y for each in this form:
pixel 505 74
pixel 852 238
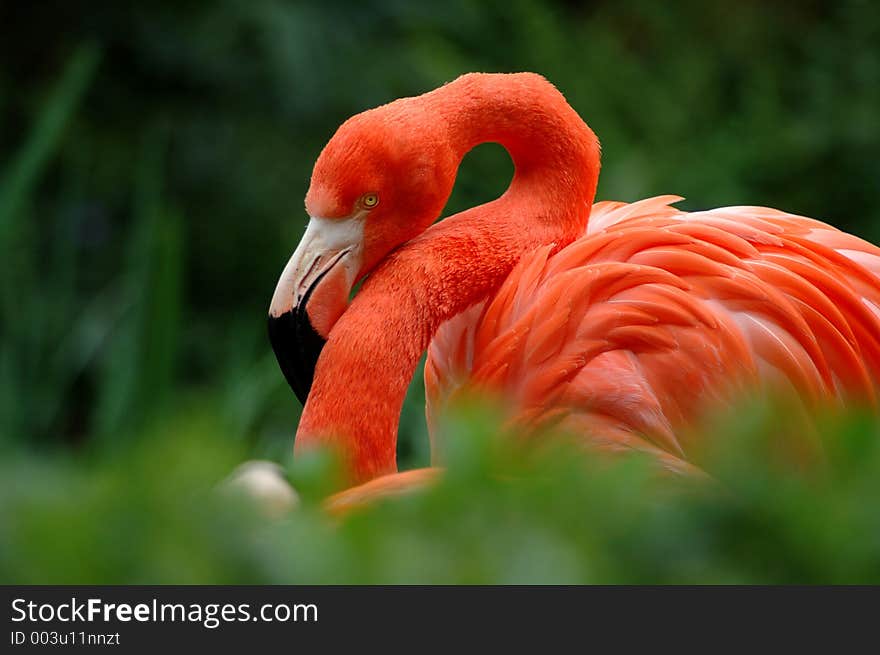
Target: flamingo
pixel 621 322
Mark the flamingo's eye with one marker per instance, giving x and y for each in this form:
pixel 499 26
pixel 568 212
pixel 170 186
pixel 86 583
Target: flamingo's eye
pixel 370 200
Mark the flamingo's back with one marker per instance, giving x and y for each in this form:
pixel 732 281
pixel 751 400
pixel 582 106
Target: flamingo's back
pixel 631 332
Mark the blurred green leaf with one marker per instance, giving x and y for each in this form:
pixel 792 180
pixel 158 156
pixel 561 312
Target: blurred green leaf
pixel 504 512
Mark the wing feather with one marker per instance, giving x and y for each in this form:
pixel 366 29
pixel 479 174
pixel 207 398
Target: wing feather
pixel 656 315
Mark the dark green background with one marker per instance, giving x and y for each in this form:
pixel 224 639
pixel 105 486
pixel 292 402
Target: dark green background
pixel 154 157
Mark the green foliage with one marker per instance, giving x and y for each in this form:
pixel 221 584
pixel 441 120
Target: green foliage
pixel 35 373
pixel 153 161
pixel 503 513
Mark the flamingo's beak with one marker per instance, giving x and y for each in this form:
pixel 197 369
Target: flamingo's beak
pixel 312 294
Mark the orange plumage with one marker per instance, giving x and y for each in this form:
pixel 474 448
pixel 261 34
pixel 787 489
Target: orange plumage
pixel 622 322
pixel 629 334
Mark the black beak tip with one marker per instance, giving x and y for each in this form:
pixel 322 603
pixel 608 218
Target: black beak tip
pixel 297 347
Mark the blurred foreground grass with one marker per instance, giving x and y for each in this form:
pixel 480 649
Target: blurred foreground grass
pixel 151 513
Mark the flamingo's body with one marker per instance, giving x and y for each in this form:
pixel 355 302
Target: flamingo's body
pixel 655 315
pixel 623 322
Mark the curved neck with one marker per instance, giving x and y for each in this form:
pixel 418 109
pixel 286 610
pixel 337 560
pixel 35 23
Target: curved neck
pixel 372 352
pixel 555 154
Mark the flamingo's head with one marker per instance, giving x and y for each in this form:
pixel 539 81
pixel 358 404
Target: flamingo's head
pixel 382 179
